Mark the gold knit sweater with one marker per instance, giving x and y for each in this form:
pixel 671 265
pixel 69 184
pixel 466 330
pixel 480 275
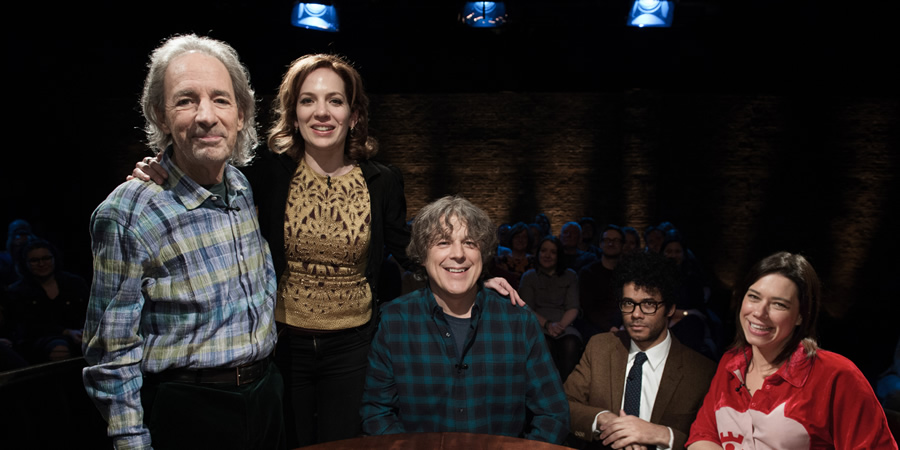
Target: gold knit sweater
pixel 326 238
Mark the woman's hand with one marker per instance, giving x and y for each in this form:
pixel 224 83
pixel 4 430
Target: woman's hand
pixel 149 169
pixel 504 288
pixel 555 329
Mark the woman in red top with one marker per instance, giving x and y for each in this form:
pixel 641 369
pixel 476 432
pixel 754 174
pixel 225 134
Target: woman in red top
pixel 775 388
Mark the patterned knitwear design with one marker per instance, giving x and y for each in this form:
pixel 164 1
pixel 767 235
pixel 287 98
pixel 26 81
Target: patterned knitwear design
pixel 326 235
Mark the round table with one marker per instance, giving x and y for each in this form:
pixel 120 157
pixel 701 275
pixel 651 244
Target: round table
pixel 440 440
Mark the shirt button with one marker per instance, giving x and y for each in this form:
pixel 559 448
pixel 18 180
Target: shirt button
pixel 241 257
pixel 461 410
pixel 214 198
pixel 447 334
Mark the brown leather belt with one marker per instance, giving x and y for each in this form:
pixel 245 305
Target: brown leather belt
pixel 235 376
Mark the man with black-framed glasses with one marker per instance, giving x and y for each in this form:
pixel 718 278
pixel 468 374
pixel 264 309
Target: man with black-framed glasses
pixel 639 386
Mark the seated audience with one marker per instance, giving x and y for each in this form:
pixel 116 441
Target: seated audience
pixel 632 241
pixel 456 356
pixel 512 265
pixel 551 291
pixel 694 324
pixel 597 296
pixel 660 398
pixel 47 305
pixel 572 257
pixel 17 235
pixel 775 388
pixel 588 236
pixel 654 238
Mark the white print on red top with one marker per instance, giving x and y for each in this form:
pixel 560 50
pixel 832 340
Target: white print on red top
pixel 769 431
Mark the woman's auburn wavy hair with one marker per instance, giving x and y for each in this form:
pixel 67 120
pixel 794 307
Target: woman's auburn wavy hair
pixel 283 136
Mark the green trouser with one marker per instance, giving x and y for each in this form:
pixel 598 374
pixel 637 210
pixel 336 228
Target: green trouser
pixel 194 416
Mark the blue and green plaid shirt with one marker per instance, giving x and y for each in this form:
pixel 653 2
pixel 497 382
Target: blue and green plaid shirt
pixel 416 383
pixel 179 282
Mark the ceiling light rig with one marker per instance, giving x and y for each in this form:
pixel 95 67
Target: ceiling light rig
pixel 315 16
pixel 484 14
pixel 651 13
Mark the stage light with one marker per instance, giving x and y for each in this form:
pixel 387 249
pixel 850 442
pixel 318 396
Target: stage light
pixel 483 14
pixel 651 13
pixel 315 16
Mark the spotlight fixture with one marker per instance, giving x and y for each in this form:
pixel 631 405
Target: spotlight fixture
pixel 315 16
pixel 651 13
pixel 484 14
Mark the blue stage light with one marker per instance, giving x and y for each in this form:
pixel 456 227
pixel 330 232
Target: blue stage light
pixel 315 16
pixel 484 14
pixel 651 13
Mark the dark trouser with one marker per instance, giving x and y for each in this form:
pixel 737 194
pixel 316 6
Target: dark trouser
pixel 324 376
pixel 221 416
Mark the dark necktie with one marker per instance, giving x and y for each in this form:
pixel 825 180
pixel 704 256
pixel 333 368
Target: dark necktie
pixel 633 386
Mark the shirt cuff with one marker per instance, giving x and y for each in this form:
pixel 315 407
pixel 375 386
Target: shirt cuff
pixel 671 440
pixel 595 433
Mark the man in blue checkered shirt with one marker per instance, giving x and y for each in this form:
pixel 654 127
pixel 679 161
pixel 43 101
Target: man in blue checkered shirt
pixel 180 322
pixel 455 356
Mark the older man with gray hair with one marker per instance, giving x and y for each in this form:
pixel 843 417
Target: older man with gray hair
pixel 179 327
pixel 455 356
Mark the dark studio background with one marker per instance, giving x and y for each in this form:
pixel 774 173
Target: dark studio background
pixel 756 133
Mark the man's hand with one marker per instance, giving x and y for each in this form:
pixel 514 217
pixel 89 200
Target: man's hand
pixel 149 169
pixel 503 287
pixel 627 431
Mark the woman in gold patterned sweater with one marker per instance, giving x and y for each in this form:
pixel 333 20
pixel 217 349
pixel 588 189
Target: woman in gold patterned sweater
pixel 335 213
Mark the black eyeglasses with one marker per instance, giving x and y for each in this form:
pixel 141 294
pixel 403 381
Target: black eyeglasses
pixel 39 260
pixel 628 306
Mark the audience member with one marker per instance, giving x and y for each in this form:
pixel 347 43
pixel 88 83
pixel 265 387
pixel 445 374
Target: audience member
pixel 775 388
pixel 519 260
pixel 17 235
pixel 596 288
pixel 47 305
pixel 588 236
pixel 632 241
pixel 653 238
pixel 572 257
pixel 660 398
pixel 543 222
pixel 503 240
pixel 551 291
pixel 456 356
pixel 694 324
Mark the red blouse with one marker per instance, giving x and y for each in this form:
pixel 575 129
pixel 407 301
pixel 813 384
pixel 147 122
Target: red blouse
pixel 823 402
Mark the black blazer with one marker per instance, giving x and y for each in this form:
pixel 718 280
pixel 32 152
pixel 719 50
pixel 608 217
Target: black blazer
pixel 270 178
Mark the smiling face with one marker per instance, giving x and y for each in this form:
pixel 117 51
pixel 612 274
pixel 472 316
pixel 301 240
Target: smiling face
pixel 646 330
pixel 40 262
pixel 201 114
pixel 547 256
pixel 454 264
pixel 323 111
pixel 769 313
